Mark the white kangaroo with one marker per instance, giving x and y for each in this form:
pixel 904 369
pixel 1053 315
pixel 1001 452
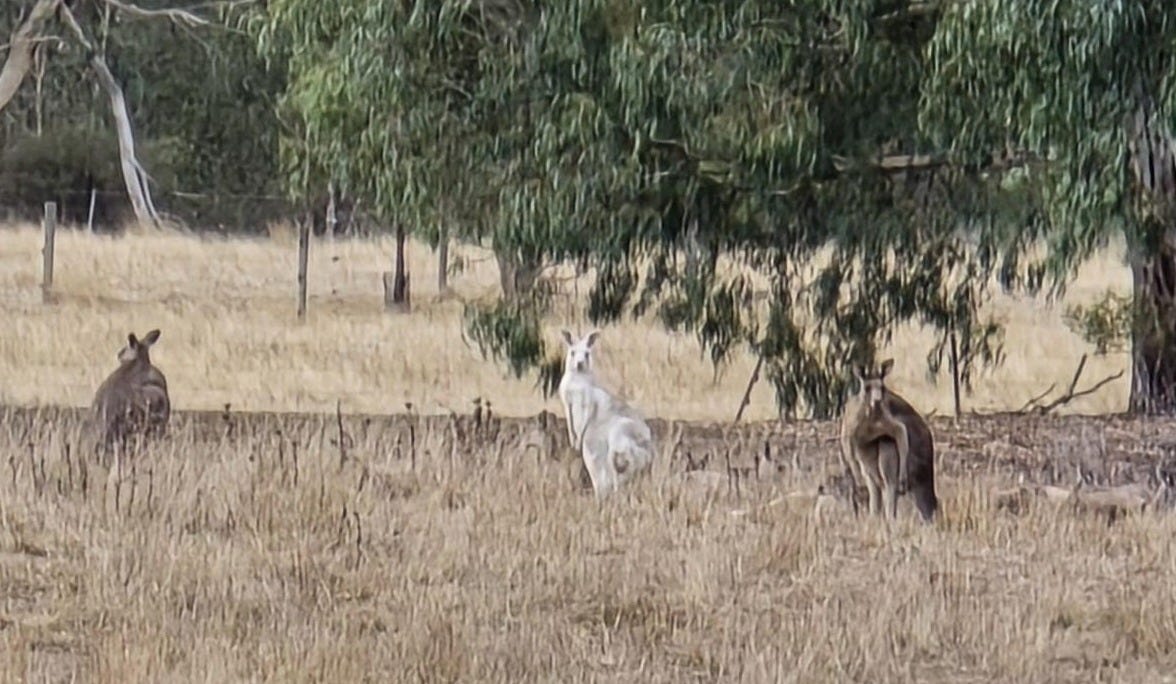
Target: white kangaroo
pixel 613 439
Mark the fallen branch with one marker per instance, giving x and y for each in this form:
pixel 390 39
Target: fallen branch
pixel 1035 401
pixel 1071 393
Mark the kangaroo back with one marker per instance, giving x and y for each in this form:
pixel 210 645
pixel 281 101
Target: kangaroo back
pixel 114 406
pixel 921 461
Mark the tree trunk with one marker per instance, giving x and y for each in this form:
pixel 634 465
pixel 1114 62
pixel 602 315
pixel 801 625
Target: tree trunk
pixel 516 274
pixel 20 49
pixel 693 249
pixel 1153 262
pixel 1153 348
pixel 397 294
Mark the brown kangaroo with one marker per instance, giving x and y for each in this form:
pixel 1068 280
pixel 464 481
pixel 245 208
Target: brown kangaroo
pixel 888 444
pixel 133 399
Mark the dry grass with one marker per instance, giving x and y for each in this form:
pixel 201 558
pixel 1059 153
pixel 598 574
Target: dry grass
pixel 256 556
pixel 248 550
pixel 226 308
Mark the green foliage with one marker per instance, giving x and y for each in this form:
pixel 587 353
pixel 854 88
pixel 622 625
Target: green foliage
pixel 1086 95
pixel 1058 80
pixel 597 133
pixel 65 163
pixel 33 168
pixel 508 331
pixel 627 137
pixel 1107 323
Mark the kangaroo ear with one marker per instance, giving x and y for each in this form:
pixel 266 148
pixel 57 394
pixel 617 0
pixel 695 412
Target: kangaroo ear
pixel 150 338
pixel 132 341
pixel 591 339
pixel 568 338
pixel 885 367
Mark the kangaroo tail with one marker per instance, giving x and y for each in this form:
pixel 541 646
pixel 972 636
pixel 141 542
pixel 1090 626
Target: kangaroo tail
pixel 923 494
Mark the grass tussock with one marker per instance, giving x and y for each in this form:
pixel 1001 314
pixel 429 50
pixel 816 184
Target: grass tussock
pixel 227 311
pixel 259 552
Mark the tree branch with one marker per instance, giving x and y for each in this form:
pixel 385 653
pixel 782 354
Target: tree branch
pixel 894 164
pixel 912 10
pixel 1035 401
pixel 900 163
pixel 36 41
pixel 176 15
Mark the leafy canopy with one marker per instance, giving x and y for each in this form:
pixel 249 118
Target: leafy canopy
pixel 648 139
pixel 1061 80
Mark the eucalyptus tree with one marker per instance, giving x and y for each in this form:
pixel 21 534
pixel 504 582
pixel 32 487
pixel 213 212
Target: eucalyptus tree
pixel 23 44
pixel 1087 92
pixel 645 140
pixel 150 87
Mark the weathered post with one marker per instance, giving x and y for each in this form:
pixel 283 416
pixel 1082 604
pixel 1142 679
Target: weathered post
pixel 49 223
pixel 955 374
pixel 303 257
pixel 443 262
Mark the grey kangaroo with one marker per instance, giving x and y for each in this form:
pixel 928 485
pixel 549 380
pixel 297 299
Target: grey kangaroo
pixel 133 399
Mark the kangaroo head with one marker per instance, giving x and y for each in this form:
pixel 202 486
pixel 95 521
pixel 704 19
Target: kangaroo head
pixel 579 357
pixel 136 349
pixel 872 383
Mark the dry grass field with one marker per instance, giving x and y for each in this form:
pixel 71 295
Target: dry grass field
pixel 230 335
pixel 289 547
pixel 246 549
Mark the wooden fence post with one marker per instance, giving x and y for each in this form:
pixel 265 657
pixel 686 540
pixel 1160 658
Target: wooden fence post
pixel 443 262
pixel 49 224
pixel 303 255
pixel 955 374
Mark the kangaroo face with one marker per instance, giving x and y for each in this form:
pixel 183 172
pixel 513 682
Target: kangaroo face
pixel 873 385
pixel 873 390
pixel 579 355
pixel 580 358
